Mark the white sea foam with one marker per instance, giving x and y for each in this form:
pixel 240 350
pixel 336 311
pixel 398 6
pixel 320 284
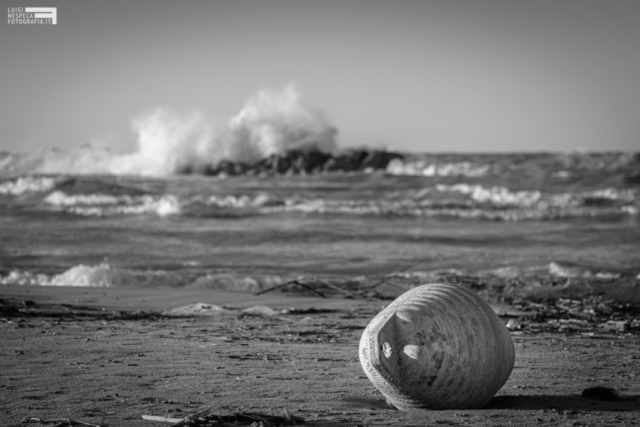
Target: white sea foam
pixel 27 184
pixel 108 205
pixel 473 202
pixel 611 194
pixel 425 168
pixel 23 278
pixel 105 275
pixel 82 275
pixel 241 201
pixel 273 122
pixel 499 196
pixel 560 270
pixel 101 275
pixel 169 142
pixel 60 198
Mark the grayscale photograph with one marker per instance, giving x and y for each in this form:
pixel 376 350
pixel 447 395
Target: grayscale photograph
pixel 269 213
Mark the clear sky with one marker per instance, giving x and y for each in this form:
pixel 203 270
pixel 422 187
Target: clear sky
pixel 426 75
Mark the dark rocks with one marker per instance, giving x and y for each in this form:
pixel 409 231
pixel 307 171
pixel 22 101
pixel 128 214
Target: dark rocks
pixel 633 179
pixel 379 159
pixel 306 162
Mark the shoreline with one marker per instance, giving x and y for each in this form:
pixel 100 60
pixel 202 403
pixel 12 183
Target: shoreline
pixel 158 299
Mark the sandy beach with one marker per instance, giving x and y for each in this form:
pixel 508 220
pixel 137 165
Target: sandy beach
pixel 100 356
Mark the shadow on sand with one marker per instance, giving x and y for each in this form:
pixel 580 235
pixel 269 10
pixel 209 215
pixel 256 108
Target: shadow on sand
pixel 563 403
pixel 529 403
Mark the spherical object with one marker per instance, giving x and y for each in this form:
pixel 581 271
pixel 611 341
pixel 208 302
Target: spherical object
pixel 437 346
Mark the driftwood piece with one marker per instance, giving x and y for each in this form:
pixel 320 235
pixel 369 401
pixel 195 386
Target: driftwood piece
pixel 161 419
pixel 206 418
pixel 292 282
pixel 60 422
pixel 190 418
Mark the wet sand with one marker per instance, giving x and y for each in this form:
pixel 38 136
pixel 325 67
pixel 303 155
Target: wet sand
pixel 96 365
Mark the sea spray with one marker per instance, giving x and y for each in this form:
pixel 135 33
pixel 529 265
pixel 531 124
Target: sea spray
pixel 270 122
pixel 273 122
pixel 171 142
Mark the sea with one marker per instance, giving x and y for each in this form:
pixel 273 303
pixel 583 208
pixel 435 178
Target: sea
pixel 167 214
pixel 554 217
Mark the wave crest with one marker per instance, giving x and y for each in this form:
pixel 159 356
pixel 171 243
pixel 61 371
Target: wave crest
pixel 108 205
pixel 424 167
pixel 27 184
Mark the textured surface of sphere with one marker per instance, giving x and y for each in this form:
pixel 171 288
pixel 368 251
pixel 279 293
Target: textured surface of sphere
pixel 437 346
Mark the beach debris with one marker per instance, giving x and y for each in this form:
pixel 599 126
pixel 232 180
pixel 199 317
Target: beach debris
pixel 356 288
pixel 502 285
pixel 206 418
pixel 260 310
pixel 161 419
pixel 437 346
pixel 198 309
pixel 311 288
pixel 591 316
pixel 204 309
pixel 60 422
pixel 615 325
pixel 513 325
pixel 190 420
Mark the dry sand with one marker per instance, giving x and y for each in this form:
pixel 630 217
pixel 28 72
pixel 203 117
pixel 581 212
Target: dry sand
pixel 88 364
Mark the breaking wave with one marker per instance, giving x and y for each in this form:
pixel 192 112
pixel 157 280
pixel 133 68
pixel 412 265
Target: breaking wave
pixel 169 142
pixel 108 205
pixel 424 167
pixel 27 184
pixel 105 275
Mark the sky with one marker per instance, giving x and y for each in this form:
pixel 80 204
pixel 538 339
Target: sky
pixel 424 76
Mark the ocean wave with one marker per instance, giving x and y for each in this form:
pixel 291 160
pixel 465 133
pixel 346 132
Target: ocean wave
pixel 465 201
pixel 107 276
pixel 498 196
pixel 409 209
pixel 101 275
pixel 355 194
pixel 428 168
pixel 502 196
pixel 240 201
pixel 476 202
pixel 109 205
pixel 27 184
